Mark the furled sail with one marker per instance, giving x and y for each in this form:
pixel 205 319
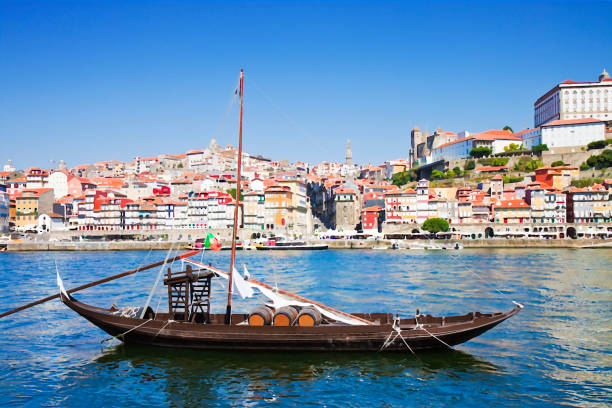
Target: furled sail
pixel 280 297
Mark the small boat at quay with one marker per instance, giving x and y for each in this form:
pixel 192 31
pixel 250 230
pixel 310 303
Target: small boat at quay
pixel 281 244
pixel 285 321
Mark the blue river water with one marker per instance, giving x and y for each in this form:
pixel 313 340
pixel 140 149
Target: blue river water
pixel 555 352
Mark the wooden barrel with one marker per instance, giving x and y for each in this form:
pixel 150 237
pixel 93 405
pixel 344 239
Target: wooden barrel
pixel 285 316
pixel 309 316
pixel 261 316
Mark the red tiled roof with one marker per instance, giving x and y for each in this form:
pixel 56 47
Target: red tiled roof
pixel 517 203
pixel 571 122
pixel 491 168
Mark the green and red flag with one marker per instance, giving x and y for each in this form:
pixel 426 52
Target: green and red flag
pixel 212 242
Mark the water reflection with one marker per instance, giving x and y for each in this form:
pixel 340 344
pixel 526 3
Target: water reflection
pixel 194 377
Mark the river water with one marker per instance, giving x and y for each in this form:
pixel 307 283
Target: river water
pixel 555 352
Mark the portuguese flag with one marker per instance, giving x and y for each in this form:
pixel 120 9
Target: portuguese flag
pixel 212 242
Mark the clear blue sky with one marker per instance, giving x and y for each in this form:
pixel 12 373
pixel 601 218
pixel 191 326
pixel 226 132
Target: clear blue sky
pixel 90 81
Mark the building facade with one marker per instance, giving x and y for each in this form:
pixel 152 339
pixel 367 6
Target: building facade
pixel 576 100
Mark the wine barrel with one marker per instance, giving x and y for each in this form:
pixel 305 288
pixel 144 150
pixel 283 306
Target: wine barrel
pixel 309 316
pixel 261 316
pixel 285 316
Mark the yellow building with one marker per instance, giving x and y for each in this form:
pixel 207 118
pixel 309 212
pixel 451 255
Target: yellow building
pixel 278 203
pixel 30 204
pixel 511 211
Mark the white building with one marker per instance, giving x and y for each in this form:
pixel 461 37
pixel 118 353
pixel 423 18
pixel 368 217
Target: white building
pixel 564 133
pixel 458 149
pixel 576 100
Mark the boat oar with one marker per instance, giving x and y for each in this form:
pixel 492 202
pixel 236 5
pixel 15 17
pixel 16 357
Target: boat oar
pixel 98 282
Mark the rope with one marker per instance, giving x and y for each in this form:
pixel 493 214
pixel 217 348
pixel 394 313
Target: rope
pixel 162 328
pixel 123 334
pixel 161 270
pixel 420 326
pixel 398 332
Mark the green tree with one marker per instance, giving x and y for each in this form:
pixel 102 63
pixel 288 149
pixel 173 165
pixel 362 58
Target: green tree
pixel 180 165
pixel 512 147
pixel 557 163
pixel 434 225
pixel 480 151
pixel 469 165
pixel 449 174
pixel 601 161
pixel 401 179
pixel 457 171
pixel 539 148
pixel 437 175
pixel 598 144
pixel 508 128
pixel 232 192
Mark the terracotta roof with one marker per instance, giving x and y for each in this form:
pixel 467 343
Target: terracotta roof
pixel 491 168
pixel 374 208
pixel 344 190
pixel 487 135
pixel 571 122
pixel 517 203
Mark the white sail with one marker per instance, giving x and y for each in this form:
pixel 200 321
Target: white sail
pixel 284 298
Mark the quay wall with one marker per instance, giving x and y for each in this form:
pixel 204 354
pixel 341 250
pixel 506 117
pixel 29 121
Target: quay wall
pixel 332 243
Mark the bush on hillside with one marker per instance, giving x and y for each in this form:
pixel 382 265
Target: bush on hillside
pixel 598 144
pixel 601 161
pixel 469 165
pixel 539 148
pixel 437 175
pixel 512 179
pixel 457 171
pixel 480 151
pixel 557 163
pixel 494 161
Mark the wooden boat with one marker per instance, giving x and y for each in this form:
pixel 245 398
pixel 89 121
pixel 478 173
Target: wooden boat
pixel 191 325
pixel 288 322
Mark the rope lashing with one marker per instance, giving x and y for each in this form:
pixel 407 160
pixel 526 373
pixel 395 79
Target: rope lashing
pixel 123 334
pixel 398 332
pixel 162 328
pixel 419 326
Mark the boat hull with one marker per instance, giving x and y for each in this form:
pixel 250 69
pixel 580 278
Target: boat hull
pixel 167 333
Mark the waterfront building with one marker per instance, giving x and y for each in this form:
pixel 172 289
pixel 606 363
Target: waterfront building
pixel 220 210
pixel 481 212
pixel 346 209
pixel 465 212
pixel 4 209
pixel 401 207
pixel 422 197
pixel 50 222
pixel 511 211
pixel 372 218
pixel 589 204
pixel 278 213
pixel 29 204
pixel 576 100
pixel 300 205
pixel 197 210
pixel 171 214
pixel 254 210
pixel 496 187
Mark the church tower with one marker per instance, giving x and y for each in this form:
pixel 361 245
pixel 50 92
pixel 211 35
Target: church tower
pixel 349 153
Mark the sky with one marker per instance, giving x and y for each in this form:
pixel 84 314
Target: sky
pixel 90 81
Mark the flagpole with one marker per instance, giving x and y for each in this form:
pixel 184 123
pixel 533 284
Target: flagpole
pixel 228 310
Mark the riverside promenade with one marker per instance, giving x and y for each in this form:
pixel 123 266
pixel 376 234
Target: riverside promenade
pixel 332 244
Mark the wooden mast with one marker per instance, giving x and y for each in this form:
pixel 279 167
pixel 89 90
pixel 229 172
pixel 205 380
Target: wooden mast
pixel 228 310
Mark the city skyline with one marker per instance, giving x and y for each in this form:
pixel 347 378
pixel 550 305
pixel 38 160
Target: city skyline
pixel 99 82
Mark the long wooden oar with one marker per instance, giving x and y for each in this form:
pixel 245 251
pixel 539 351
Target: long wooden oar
pixel 89 285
